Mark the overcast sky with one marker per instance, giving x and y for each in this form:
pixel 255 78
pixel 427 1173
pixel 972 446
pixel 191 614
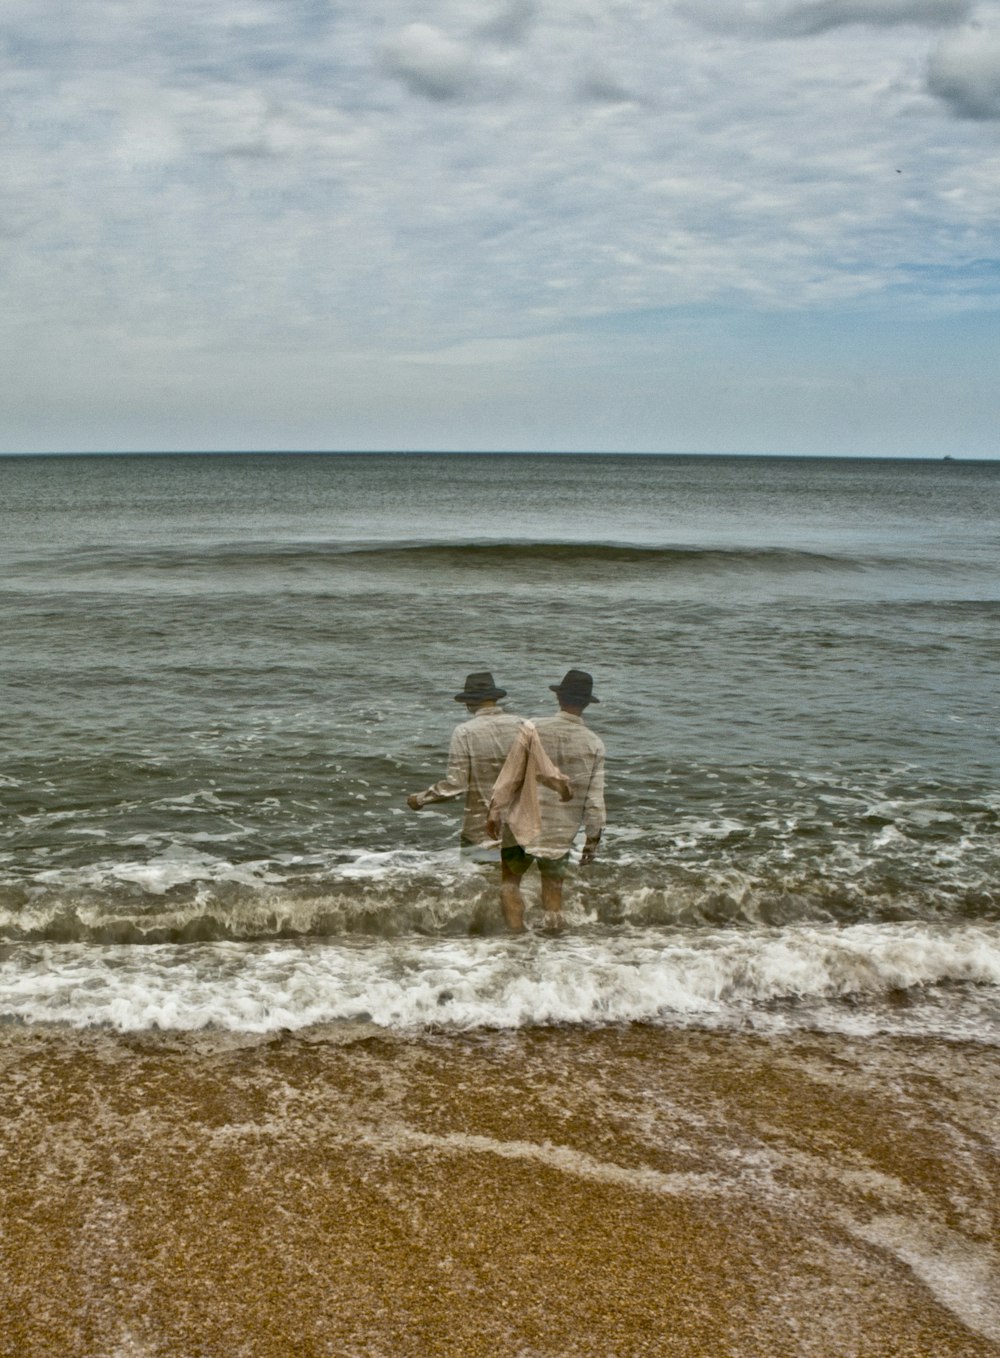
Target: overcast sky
pixel 663 225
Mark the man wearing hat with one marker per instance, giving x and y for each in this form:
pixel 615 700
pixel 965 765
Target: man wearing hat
pixel 579 754
pixel 478 749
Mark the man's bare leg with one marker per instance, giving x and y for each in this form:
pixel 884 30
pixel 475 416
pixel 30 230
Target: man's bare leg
pixel 552 890
pixel 511 900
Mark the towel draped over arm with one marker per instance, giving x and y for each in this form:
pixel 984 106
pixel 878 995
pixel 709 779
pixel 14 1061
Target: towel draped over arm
pixel 515 793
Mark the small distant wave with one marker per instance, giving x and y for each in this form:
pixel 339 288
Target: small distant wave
pixel 503 553
pixel 233 558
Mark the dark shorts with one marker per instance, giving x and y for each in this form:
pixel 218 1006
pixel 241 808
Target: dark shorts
pixel 519 861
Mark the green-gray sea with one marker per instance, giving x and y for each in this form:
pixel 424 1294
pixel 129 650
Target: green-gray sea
pixel 222 674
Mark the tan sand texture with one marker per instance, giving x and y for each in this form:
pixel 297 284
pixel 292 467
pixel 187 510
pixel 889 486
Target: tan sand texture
pixel 609 1193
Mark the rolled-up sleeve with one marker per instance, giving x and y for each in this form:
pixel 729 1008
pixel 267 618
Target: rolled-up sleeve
pixel 456 780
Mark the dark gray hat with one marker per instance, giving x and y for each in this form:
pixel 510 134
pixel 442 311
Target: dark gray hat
pixel 577 687
pixel 480 688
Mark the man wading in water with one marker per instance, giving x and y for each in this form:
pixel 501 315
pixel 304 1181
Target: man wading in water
pixel 476 755
pixel 560 800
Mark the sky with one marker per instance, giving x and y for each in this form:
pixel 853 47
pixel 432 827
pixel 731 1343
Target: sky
pixel 735 226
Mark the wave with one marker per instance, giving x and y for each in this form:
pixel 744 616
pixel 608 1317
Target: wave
pixel 512 552
pixel 945 979
pixel 390 896
pixel 505 553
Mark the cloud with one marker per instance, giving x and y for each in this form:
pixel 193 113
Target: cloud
pixel 511 23
pixel 603 87
pixel 202 181
pixel 437 66
pixel 820 16
pixel 964 71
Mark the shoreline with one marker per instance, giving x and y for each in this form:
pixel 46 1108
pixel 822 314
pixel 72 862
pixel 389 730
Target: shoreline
pixel 605 1192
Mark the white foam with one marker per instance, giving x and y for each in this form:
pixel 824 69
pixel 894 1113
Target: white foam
pixel 689 831
pixel 199 798
pixel 176 866
pixel 886 837
pixel 965 1278
pixel 564 1159
pixel 767 977
pixel 380 864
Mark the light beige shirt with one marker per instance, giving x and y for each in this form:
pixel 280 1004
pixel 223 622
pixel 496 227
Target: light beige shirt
pixel 515 793
pixel 575 749
pixel 476 755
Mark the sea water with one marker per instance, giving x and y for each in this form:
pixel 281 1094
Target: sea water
pixel 223 674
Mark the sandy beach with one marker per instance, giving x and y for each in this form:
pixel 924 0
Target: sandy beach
pixel 619 1192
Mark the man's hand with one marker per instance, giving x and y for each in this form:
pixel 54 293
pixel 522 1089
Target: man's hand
pixel 413 801
pixel 493 826
pixel 589 851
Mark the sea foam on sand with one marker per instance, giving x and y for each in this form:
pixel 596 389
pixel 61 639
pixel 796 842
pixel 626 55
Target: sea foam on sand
pixel 625 1191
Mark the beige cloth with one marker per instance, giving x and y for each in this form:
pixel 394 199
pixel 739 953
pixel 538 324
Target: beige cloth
pixel 578 753
pixel 515 794
pixel 475 757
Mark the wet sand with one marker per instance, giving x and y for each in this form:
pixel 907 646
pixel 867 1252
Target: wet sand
pixel 615 1193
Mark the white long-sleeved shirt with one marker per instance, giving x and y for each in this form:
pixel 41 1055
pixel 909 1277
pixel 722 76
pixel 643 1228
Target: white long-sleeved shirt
pixel 478 749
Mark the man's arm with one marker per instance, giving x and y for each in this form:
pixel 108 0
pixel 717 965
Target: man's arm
pixel 594 815
pixel 509 780
pixel 455 782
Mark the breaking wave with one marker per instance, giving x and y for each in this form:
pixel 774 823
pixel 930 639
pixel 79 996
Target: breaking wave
pixel 865 977
pixel 404 894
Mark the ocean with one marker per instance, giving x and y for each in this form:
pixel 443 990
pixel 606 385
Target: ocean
pixel 223 674
pixel 277 1084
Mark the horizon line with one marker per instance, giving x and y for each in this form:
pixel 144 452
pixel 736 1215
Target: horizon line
pixel 487 452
